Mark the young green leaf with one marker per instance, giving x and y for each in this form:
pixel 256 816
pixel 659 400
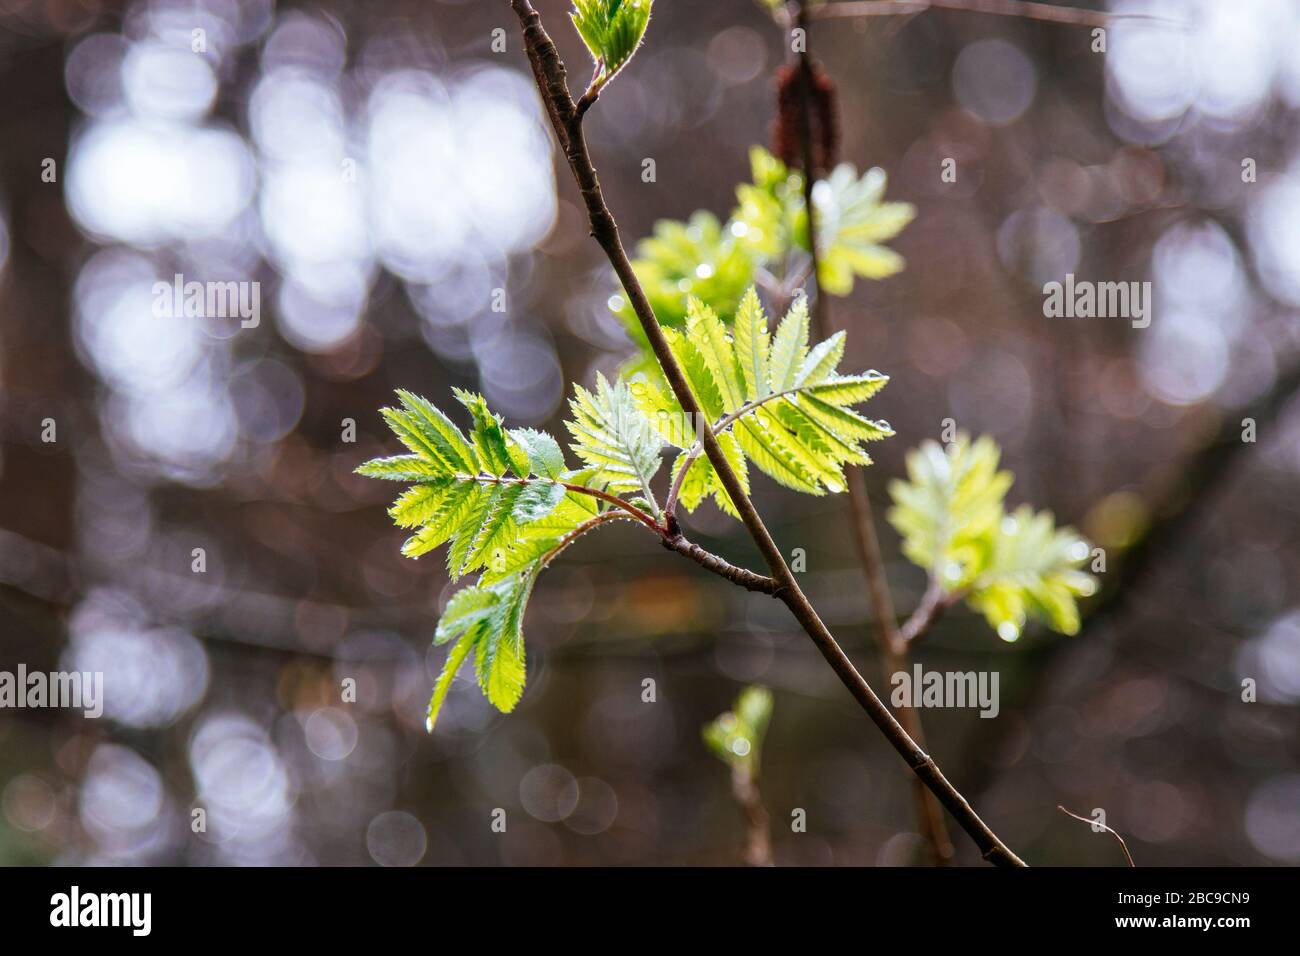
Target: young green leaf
pixel 537 501
pixel 611 434
pixel 766 239
pixel 702 480
pixel 790 346
pixel 736 737
pixel 783 404
pixel 612 30
pixel 753 345
pixel 445 677
pixel 1034 571
pixel 488 621
pixel 700 257
pixel 506 505
pixel 401 468
pixel 544 455
pixel 1009 567
pixel 489 437
pixel 852 224
pixel 769 220
pixel 949 506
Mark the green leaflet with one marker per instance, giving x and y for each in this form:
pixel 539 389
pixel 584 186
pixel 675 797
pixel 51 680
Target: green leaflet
pixel 400 468
pixel 538 537
pixel 697 375
pixel 489 438
pixel 790 346
pixel 753 345
pixel 612 30
pixel 707 334
pixel 487 621
pixel 496 528
pixel 781 403
pixel 949 507
pixel 1033 572
pixel 852 222
pixel 445 677
pixel 544 455
pixel 466 608
pixel 499 654
pixel 660 408
pixel 420 504
pixel 537 500
pixel 460 501
pixel 610 434
pixel 437 432
pixel 1010 567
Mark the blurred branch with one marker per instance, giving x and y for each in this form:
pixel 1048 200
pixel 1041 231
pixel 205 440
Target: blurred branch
pixel 1201 476
pixel 736 738
pixel 1046 12
pixel 892 644
pixel 758 836
pixel 549 74
pixel 933 603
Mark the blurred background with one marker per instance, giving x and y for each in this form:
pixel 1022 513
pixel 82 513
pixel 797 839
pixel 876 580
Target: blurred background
pixel 379 169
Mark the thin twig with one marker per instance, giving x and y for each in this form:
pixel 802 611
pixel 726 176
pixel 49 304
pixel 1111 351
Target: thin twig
pixel 933 603
pixel 549 73
pixel 1046 12
pixel 579 531
pixel 893 646
pixel 1095 823
pixel 604 496
pixel 758 835
pixel 711 562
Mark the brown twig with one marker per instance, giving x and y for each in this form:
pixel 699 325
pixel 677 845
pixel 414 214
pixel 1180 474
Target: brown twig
pixel 892 644
pixel 549 73
pixel 758 835
pixel 579 531
pixel 711 562
pixel 1093 823
pixel 1046 12
pixel 933 603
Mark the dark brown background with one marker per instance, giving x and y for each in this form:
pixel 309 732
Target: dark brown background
pixel 223 687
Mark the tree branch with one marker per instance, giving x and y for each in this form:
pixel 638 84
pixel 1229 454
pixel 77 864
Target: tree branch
pixel 893 646
pixel 933 603
pixel 548 71
pixel 746 579
pixel 1047 12
pixel 758 835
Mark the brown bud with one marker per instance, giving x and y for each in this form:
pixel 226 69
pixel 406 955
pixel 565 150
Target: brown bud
pixel 788 126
